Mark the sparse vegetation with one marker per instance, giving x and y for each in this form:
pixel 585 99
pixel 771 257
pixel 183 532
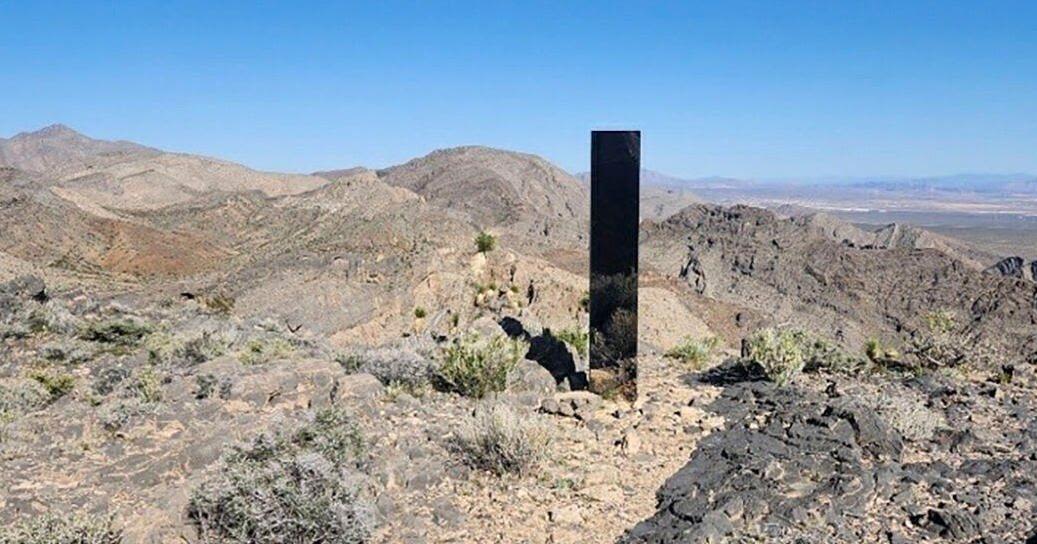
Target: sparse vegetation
pixel 20 396
pixel 119 332
pixel 420 312
pixel 209 385
pixel 577 339
pixel 500 440
pixel 946 344
pixel 779 353
pixel 56 383
pixel 909 416
pixel 694 353
pixel 398 368
pixel 166 349
pixel 260 351
pixel 62 529
pixel 879 354
pixel 115 417
pixel 147 385
pixel 219 303
pixel 783 354
pixel 485 242
pixel 109 378
pixel 475 367
pixel 288 487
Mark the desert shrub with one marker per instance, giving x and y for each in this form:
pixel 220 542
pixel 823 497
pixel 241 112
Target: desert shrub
pixel 420 312
pixel 147 384
pixel 577 339
pixel 116 416
pixel 498 439
pixel 694 353
pixel 43 318
pixel 67 352
pixel 109 378
pixel 780 354
pixel 18 397
pixel 401 368
pixel 62 529
pixel 485 242
pixel 209 385
pixel 475 367
pixel 219 303
pixel 164 349
pixel 287 487
pixel 908 415
pixel 821 354
pixel 264 350
pixel 783 353
pixel 334 434
pixel 351 362
pixel 120 332
pixel 944 343
pixel 879 353
pixel 57 384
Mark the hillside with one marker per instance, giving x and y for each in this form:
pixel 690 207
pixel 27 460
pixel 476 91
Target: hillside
pixel 123 175
pixel 795 271
pixel 516 193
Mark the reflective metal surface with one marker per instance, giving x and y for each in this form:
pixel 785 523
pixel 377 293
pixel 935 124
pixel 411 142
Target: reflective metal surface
pixel 615 179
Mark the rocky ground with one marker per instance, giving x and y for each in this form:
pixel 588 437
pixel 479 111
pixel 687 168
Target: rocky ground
pixel 114 410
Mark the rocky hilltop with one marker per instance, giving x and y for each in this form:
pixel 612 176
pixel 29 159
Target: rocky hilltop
pixel 194 351
pixel 817 273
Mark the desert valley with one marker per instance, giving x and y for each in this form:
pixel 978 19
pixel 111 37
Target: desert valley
pixel 195 351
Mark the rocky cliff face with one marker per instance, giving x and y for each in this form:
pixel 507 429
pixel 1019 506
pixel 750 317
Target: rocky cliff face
pixel 798 273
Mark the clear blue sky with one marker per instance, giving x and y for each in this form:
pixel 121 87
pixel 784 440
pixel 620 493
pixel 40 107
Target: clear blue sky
pixel 750 89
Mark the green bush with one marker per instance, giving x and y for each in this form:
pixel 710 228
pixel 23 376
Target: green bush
pixel 694 353
pixel 288 487
pixel 166 349
pixel 261 351
pixel 420 312
pixel 576 338
pixel 63 529
pixel 56 383
pixel 501 441
pixel 475 367
pixel 121 332
pixel 147 384
pixel 780 354
pixel 485 242
pixel 783 353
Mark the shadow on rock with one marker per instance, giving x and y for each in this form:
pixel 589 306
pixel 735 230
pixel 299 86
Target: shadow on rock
pixel 549 352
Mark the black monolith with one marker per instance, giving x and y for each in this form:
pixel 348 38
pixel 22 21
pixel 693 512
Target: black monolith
pixel 615 180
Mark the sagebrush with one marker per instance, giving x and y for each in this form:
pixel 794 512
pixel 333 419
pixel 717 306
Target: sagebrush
pixel 498 439
pixel 395 367
pixel 694 353
pixel 289 487
pixel 62 529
